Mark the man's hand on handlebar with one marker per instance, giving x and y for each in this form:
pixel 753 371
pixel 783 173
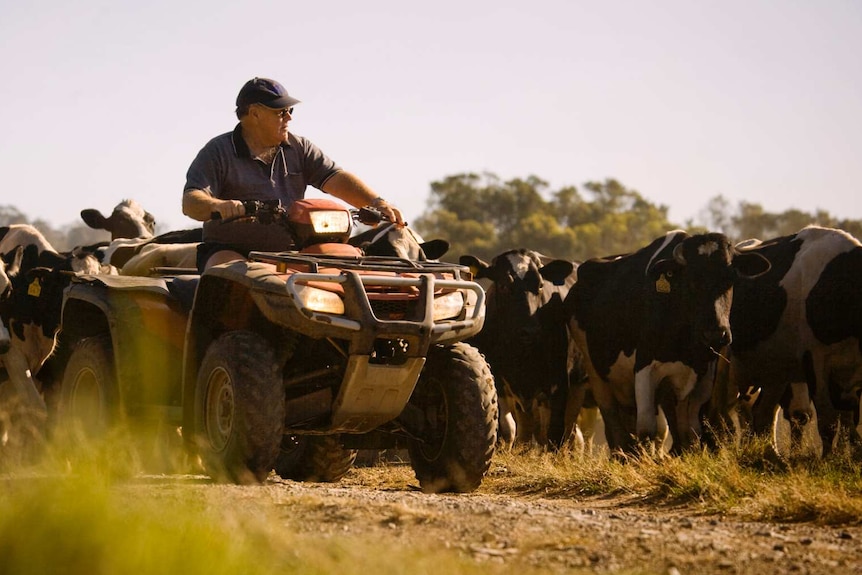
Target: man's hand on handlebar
pixel 388 211
pixel 228 209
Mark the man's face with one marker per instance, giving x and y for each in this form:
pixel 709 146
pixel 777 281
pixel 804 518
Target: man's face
pixel 271 123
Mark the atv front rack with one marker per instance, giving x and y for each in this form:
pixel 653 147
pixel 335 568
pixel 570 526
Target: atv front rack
pixel 313 262
pixel 426 284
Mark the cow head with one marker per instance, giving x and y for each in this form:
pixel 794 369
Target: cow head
pixel 521 284
pixel 698 280
pixel 389 240
pixel 128 220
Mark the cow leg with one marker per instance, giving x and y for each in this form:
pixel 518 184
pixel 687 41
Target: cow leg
pixel 26 414
pixel 798 412
pixel 645 400
pixel 561 426
pixel 22 381
pixel 587 423
pixel 507 429
pixel 687 425
pixel 697 398
pixel 506 426
pixel 5 339
pixel 574 417
pixel 668 422
pixel 827 416
pixel 619 419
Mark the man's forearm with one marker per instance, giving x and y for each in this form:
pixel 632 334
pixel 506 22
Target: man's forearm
pixel 347 187
pixel 200 206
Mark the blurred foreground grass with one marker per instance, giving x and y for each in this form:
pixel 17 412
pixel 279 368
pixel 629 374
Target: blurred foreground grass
pixel 73 511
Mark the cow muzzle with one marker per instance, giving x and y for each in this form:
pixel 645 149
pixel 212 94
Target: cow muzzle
pixel 717 338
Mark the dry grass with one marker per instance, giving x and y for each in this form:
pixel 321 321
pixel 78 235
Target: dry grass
pixel 744 480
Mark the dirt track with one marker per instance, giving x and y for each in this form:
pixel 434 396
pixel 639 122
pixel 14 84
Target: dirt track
pixel 602 535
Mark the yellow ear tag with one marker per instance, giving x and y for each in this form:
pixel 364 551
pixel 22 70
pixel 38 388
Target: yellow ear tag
pixel 35 288
pixel 662 285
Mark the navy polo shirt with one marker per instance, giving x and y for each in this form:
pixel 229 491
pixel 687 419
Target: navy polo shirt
pixel 225 169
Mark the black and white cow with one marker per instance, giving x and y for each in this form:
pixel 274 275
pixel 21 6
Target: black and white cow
pixel 5 293
pixel 20 397
pixel 23 248
pixel 128 220
pixel 525 342
pixel 134 249
pixel 38 251
pixel 389 240
pixel 799 328
pixel 31 308
pixel 649 324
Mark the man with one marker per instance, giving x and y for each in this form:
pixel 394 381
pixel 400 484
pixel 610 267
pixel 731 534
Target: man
pixel 261 160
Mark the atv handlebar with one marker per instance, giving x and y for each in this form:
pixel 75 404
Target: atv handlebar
pixel 272 212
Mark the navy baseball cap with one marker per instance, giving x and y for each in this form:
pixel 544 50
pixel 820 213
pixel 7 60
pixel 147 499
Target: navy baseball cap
pixel 264 91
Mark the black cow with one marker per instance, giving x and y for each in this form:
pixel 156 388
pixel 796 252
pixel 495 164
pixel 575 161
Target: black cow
pixel 799 328
pixel 649 324
pixel 524 338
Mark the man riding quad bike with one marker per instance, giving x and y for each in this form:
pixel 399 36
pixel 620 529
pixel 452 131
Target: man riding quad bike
pixel 291 360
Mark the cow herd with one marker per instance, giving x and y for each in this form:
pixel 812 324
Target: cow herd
pixel 687 330
pixel 684 331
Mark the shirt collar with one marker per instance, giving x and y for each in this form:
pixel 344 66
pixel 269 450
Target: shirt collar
pixel 240 148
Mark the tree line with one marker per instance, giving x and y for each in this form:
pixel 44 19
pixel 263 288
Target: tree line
pixel 482 215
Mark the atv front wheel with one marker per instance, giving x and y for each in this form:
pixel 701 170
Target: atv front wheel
pixel 456 394
pixel 319 458
pixel 239 408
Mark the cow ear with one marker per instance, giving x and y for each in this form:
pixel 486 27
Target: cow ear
pixel 150 220
pixel 434 249
pixel 478 268
pixel 557 271
pixel 751 264
pixel 94 219
pixel 13 265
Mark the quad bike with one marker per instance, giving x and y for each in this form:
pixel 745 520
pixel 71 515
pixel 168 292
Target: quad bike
pixel 290 361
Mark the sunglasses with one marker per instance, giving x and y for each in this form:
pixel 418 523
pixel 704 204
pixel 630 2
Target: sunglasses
pixel 284 113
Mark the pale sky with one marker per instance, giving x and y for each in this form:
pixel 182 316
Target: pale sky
pixel 681 100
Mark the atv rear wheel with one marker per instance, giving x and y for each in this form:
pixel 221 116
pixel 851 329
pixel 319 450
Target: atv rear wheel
pixel 319 458
pixel 87 399
pixel 457 396
pixel 239 408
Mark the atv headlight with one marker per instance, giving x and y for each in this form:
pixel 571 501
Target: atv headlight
pixel 330 221
pixel 448 306
pixel 320 300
